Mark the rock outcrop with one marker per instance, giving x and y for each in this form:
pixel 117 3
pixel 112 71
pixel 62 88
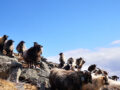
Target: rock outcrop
pixel 17 77
pixel 10 68
pixel 38 77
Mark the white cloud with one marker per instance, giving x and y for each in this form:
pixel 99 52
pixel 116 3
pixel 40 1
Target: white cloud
pixel 105 58
pixel 115 42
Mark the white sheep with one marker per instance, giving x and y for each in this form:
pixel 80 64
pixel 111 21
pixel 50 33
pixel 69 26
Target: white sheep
pixel 113 85
pixel 98 81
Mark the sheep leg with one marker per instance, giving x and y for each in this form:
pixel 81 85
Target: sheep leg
pixel 22 54
pixel 1 48
pixel 30 65
pixel 7 52
pixel 11 53
pixel 35 63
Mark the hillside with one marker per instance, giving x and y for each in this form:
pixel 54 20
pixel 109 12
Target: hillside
pixel 15 75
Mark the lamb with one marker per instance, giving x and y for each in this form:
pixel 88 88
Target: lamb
pixel 61 79
pixel 33 55
pixel 8 47
pixel 61 60
pixel 97 83
pixel 79 63
pixel 21 47
pixel 2 41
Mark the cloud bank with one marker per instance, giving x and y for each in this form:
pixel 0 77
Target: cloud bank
pixel 105 58
pixel 116 42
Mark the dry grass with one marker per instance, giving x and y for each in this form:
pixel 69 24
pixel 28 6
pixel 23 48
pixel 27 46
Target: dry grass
pixel 29 87
pixel 6 85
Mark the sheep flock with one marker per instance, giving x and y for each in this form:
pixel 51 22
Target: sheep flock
pixel 64 76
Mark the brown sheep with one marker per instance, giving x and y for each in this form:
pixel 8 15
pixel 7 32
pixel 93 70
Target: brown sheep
pixel 97 83
pixel 2 41
pixel 21 47
pixel 8 47
pixel 79 63
pixel 33 55
pixel 61 79
pixel 61 60
pixel 35 44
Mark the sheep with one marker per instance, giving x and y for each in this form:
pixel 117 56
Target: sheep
pixel 113 85
pixel 2 41
pixel 61 79
pixel 92 68
pixel 67 67
pixel 98 81
pixel 33 55
pixel 98 71
pixel 114 77
pixel 8 47
pixel 35 44
pixel 79 63
pixel 21 47
pixel 69 64
pixel 61 60
pixel 70 61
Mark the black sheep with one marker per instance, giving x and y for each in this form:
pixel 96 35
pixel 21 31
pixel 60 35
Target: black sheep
pixel 8 47
pixel 2 41
pixel 61 60
pixel 21 47
pixel 92 68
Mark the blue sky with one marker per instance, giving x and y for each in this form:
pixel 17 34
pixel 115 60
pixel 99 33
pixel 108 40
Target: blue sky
pixel 61 25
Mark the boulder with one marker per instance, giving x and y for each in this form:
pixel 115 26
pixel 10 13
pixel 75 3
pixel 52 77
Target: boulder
pixel 36 76
pixel 10 68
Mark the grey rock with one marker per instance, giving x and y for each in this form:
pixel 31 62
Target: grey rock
pixel 37 76
pixel 10 68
